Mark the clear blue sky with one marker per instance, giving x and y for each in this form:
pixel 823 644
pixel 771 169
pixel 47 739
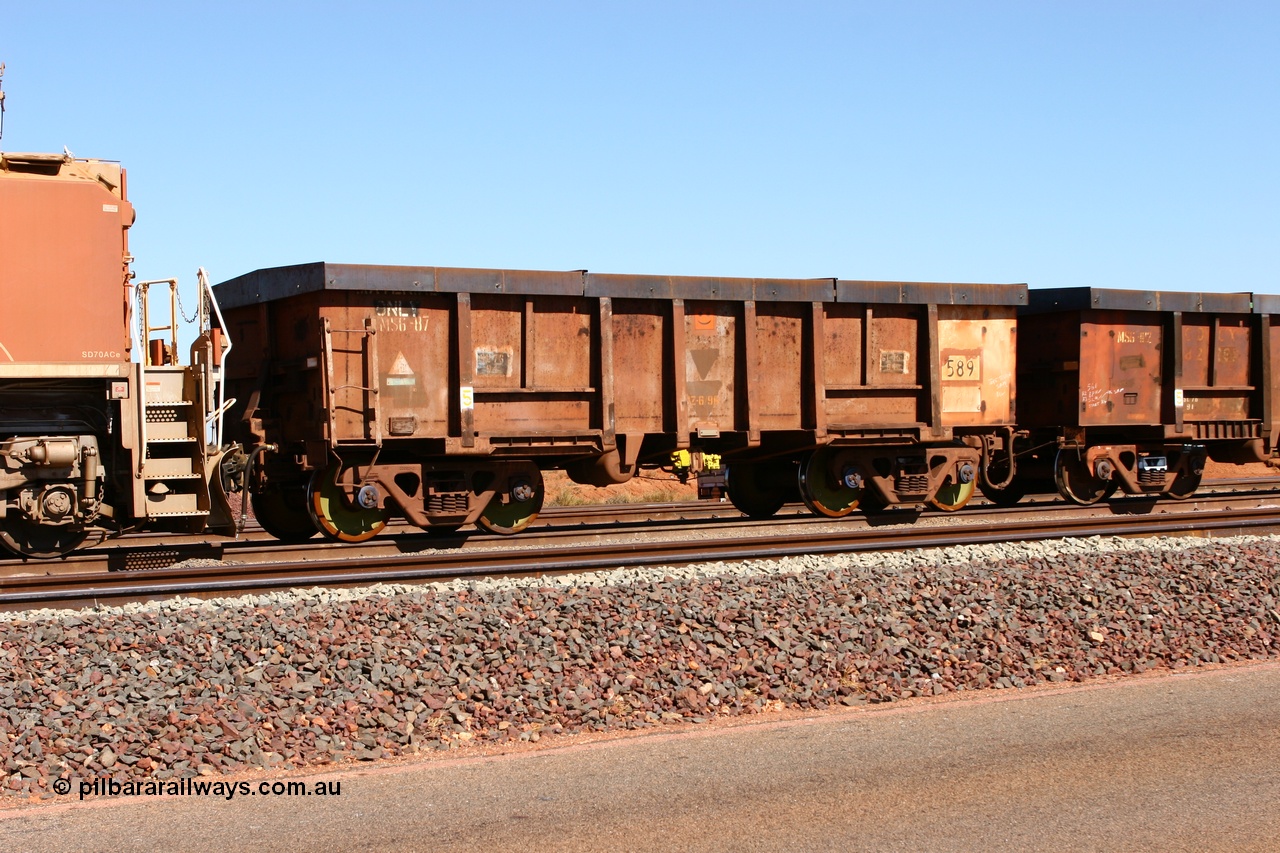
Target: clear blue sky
pixel 1113 144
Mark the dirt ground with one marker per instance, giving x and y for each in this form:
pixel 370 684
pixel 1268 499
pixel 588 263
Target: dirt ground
pixel 1223 471
pixel 652 487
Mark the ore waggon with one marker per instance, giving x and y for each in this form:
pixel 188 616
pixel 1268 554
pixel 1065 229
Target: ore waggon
pixel 1133 390
pixel 98 435
pixel 442 394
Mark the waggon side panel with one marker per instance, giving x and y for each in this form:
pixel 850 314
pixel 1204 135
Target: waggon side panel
pixel 642 375
pixel 1217 373
pixel 871 366
pixel 777 376
pixel 532 364
pixel 710 359
pixel 414 368
pixel 977 361
pixel 1121 368
pixel 1149 358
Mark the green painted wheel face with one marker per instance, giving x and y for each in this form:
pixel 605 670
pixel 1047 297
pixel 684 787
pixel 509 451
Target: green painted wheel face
pixel 821 489
pixel 334 518
pixel 514 515
pixel 953 496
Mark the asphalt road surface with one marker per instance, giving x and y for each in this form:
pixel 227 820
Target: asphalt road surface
pixel 1184 762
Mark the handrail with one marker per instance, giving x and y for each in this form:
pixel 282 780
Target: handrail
pixel 223 403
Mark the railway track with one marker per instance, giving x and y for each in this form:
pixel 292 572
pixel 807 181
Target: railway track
pixel 578 546
pixel 556 526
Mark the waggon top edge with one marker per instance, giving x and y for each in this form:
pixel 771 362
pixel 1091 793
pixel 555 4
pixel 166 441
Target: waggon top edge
pixel 930 293
pixel 275 283
pixel 271 284
pixel 1086 298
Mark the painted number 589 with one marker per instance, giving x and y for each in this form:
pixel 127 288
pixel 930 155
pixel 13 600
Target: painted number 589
pixel 957 367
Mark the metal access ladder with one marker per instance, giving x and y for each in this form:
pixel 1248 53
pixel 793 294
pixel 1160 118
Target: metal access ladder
pixel 180 413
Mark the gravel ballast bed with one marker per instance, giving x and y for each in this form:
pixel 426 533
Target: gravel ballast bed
pixel 305 679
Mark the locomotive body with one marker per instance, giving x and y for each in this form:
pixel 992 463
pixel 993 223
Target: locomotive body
pixel 442 394
pixel 92 442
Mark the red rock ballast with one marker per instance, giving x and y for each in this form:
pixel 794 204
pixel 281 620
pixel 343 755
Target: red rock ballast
pixel 312 678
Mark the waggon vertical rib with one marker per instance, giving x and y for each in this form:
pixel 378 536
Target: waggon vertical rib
pixel 818 397
pixel 752 383
pixel 678 374
pixel 608 423
pixel 935 375
pixel 1176 386
pixel 466 371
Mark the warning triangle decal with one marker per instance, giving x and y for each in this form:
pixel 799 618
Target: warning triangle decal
pixel 400 367
pixel 704 359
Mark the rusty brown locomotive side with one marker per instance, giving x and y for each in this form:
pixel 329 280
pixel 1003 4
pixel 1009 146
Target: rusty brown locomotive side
pixel 92 443
pixel 1133 390
pixel 441 394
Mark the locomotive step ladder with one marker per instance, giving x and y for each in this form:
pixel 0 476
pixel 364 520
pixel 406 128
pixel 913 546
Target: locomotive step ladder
pixel 180 413
pixel 173 463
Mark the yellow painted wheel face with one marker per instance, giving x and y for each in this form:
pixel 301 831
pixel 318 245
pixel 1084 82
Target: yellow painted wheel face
pixel 953 496
pixel 335 519
pixel 512 516
pixel 821 491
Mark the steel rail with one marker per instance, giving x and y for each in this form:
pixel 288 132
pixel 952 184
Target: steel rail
pixel 150 552
pixel 78 590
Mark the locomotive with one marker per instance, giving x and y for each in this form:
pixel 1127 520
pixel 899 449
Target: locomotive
pixel 102 430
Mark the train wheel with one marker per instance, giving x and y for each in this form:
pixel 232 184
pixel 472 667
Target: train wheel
pixel 821 491
pixel 757 489
pixel 1184 486
pixel 524 502
pixel 953 496
pixel 328 507
pixel 1007 496
pixel 283 513
pixel 1076 482
pixel 38 540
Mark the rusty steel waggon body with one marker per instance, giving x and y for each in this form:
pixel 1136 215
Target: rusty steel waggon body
pixel 359 393
pixel 441 394
pixel 92 443
pixel 1133 390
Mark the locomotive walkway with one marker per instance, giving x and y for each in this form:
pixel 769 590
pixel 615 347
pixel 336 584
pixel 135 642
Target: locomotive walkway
pixel 1170 762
